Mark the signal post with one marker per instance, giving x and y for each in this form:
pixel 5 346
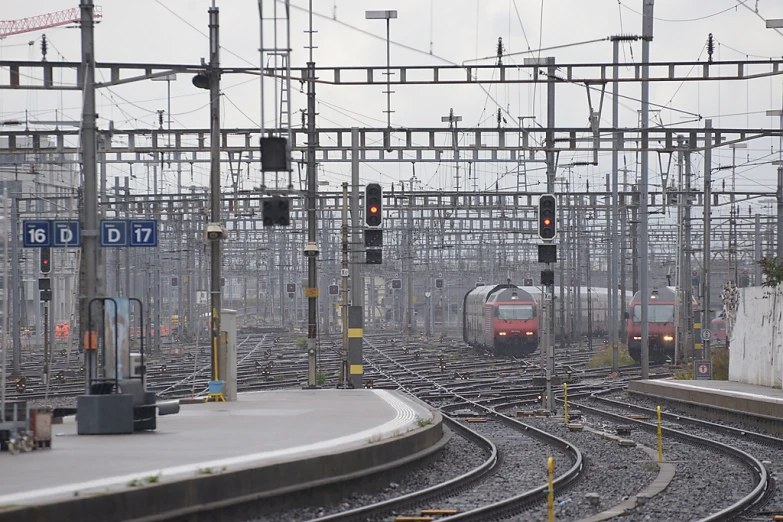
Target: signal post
pixel 547 254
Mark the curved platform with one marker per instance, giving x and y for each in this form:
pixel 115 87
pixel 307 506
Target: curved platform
pixel 760 406
pixel 228 458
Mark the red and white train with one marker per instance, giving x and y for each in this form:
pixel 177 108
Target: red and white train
pixel 660 325
pixel 502 319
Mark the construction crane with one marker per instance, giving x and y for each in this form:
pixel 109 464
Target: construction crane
pixel 44 21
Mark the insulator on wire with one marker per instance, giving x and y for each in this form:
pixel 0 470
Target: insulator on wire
pixel 710 47
pixel 44 47
pixel 500 51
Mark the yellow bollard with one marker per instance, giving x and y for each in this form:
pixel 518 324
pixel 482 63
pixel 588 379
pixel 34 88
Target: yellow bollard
pixel 550 499
pixel 660 441
pixel 565 402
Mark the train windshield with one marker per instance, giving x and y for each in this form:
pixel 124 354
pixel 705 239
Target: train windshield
pixel 515 312
pixel 656 313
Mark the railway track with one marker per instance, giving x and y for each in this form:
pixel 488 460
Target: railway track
pixel 476 491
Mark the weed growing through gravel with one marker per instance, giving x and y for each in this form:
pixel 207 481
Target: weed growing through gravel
pixel 720 366
pixel 423 422
pixel 603 358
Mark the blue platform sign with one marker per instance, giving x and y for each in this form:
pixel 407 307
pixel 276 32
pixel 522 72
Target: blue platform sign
pixel 37 234
pixel 702 370
pixel 67 233
pixel 143 233
pixel 114 233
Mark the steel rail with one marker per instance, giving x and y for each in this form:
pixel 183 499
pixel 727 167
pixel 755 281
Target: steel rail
pixel 759 492
pixel 517 503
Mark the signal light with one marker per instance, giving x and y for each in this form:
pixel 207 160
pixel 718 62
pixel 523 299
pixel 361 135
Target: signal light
pixel 396 284
pixel 439 283
pixel 274 154
pixel 373 201
pixel 290 288
pixel 374 257
pixel 276 211
pixel 46 260
pixel 547 208
pixel 373 237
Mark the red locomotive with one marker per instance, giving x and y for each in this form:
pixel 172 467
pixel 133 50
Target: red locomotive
pixel 661 327
pixel 718 329
pixel 501 318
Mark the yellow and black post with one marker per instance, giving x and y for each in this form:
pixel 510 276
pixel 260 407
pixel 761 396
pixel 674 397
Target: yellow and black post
pixel 355 340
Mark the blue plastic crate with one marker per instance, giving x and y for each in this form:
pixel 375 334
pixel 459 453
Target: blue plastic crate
pixel 216 387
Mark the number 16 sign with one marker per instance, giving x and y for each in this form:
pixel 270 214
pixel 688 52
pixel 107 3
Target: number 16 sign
pixel 143 233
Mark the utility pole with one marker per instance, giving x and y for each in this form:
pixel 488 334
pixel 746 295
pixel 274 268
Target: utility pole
pixel 647 36
pixel 409 257
pixel 623 240
pixel 614 243
pixel 312 184
pixel 344 376
pixel 452 120
pixel 757 249
pixel 89 274
pixel 355 348
pixel 589 299
pixel 779 192
pixel 706 318
pixel 214 185
pixel 681 316
pixel 16 281
pixel 688 250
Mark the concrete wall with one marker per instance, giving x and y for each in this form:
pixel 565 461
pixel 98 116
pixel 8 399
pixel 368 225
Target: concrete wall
pixel 756 340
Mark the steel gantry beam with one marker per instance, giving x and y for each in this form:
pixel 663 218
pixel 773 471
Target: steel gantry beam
pixel 39 75
pixel 479 145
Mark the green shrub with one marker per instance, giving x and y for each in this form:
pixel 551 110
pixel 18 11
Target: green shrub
pixel 301 343
pixel 720 367
pixel 603 358
pixel 772 268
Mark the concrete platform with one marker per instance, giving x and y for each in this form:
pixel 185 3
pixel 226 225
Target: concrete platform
pixel 725 399
pixel 211 456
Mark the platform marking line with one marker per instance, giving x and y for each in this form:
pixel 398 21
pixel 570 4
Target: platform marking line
pixel 405 416
pixel 745 394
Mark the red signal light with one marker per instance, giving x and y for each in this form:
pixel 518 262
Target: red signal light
pixel 547 221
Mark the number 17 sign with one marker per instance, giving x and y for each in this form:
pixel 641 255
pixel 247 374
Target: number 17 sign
pixel 143 233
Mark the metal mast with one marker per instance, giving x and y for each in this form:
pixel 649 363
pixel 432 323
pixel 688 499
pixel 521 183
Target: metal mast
pixel 647 36
pixel 89 268
pixel 214 185
pixel 312 181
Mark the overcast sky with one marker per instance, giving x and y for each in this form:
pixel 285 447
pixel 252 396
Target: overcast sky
pixel 174 31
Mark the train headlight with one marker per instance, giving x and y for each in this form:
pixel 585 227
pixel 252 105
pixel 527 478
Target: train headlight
pixel 528 333
pixel 668 338
pixel 637 337
pixel 502 333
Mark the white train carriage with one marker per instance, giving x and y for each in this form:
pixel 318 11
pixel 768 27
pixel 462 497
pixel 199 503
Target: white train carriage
pixel 599 298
